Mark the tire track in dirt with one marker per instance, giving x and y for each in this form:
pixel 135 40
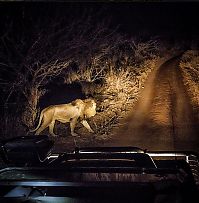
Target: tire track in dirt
pixel 163 118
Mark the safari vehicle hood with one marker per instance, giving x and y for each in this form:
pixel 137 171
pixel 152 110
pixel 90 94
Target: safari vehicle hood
pixel 30 171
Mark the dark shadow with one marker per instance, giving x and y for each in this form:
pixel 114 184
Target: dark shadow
pixel 61 94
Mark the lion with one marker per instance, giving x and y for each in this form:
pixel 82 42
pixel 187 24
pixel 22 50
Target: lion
pixel 71 112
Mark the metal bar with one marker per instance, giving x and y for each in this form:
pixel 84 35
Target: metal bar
pixel 67 184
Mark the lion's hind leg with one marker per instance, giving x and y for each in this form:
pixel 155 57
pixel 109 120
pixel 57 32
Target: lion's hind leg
pixel 45 123
pixel 51 128
pixel 40 130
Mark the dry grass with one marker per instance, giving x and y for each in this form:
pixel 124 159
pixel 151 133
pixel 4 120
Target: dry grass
pixel 190 68
pixel 119 94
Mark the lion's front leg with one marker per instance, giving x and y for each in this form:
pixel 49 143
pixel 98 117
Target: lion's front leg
pixel 73 123
pixel 87 126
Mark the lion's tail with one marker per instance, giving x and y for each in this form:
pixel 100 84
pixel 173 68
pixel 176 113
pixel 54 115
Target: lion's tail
pixel 40 119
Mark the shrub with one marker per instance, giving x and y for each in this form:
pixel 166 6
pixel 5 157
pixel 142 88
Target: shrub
pixel 118 95
pixel 190 68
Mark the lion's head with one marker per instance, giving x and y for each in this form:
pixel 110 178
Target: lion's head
pixel 90 108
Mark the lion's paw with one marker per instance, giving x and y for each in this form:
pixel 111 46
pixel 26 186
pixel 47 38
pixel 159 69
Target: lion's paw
pixel 75 135
pixel 54 135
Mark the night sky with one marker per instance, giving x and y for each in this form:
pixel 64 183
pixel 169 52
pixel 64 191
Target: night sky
pixel 134 18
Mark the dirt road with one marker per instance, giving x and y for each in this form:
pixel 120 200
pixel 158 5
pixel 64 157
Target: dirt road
pixel 163 118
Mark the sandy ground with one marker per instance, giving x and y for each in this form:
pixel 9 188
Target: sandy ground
pixel 163 118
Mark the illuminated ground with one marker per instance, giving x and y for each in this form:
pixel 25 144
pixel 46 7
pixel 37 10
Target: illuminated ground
pixel 162 120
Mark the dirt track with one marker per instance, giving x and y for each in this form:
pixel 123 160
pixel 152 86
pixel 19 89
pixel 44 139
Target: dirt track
pixel 163 118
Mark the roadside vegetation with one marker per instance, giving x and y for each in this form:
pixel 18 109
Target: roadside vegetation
pixel 189 65
pixel 117 95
